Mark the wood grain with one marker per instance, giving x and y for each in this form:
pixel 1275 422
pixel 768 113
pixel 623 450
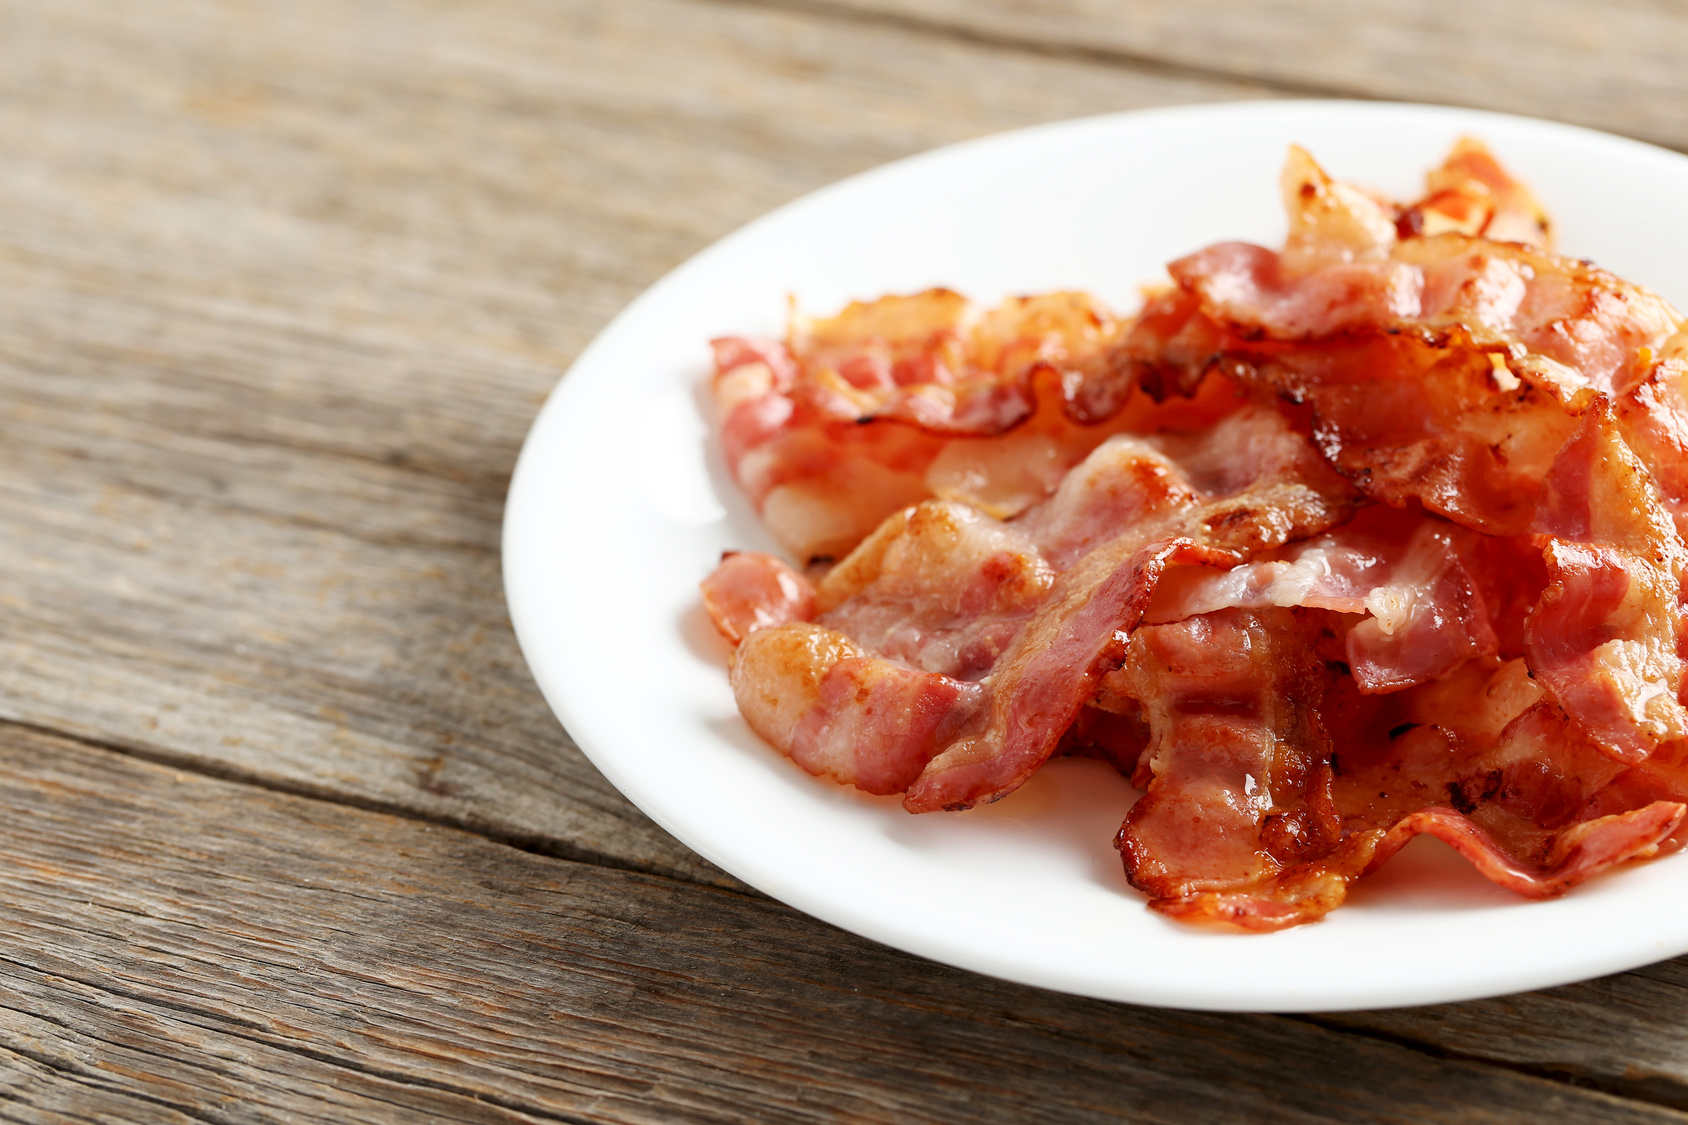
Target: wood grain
pixel 225 953
pixel 1623 1033
pixel 285 285
pixel 1614 66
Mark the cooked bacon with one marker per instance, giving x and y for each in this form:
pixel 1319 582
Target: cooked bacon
pixel 1044 679
pixel 1271 490
pixel 949 591
pixel 1443 370
pixel 1127 482
pixel 1653 416
pixel 793 415
pixel 905 398
pixel 1406 419
pixel 884 678
pixel 936 361
pixel 1500 294
pixel 1607 634
pixel 1437 409
pixel 751 590
pixel 1472 194
pixel 1409 576
pixel 939 586
pixel 1518 809
pixel 1306 893
pixel 1472 378
pixel 875 724
pixel 1238 761
pixel 1371 537
pixel 814 695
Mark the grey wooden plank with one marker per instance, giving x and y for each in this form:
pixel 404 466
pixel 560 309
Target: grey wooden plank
pixel 1627 1033
pixel 1614 66
pixel 234 954
pixel 38 1089
pixel 285 285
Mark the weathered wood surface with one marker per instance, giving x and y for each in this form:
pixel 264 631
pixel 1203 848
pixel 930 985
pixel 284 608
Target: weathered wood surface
pixel 224 953
pixel 1614 66
pixel 283 286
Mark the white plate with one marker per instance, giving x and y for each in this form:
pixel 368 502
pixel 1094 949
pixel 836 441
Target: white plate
pixel 620 504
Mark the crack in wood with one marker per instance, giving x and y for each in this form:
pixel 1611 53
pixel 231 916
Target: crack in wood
pixel 229 1025
pixel 94 1081
pixel 1103 56
pixel 549 848
pixel 1660 1091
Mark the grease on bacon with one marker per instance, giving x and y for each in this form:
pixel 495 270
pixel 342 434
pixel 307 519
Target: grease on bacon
pixel 1373 536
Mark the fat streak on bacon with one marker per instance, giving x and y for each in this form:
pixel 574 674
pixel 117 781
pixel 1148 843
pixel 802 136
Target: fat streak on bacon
pixel 1372 536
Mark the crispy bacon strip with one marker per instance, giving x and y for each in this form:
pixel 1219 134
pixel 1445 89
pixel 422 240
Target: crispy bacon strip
pixel 1409 578
pixel 892 401
pixel 1444 370
pixel 1239 781
pixel 793 415
pixel 1606 637
pixel 1272 489
pixel 1493 655
pixel 939 586
pixel 1307 893
pixel 1570 312
pixel 1653 417
pixel 1041 683
pixel 1472 194
pixel 868 693
pixel 951 592
pixel 1521 809
pixel 842 714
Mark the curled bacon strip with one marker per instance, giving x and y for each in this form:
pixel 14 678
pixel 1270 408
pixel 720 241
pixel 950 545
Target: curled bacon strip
pixel 952 592
pixel 1607 634
pixel 751 590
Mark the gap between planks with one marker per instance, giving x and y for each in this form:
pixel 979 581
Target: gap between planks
pixel 1652 1091
pixel 533 845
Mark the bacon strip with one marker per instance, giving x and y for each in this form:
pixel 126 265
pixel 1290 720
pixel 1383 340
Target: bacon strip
pixel 1606 637
pixel 839 713
pixel 1472 194
pixel 948 591
pixel 1307 893
pixel 1409 576
pixel 751 590
pixel 1570 312
pixel 1444 370
pixel 1520 811
pixel 1653 417
pixel 875 724
pixel 1273 489
pixel 939 586
pixel 1040 684
pixel 1238 762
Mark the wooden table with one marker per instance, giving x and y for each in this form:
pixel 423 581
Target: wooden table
pixel 288 832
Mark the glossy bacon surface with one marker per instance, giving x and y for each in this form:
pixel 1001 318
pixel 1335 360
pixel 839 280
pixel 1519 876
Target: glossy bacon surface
pixel 1034 611
pixel 1373 536
pixel 854 417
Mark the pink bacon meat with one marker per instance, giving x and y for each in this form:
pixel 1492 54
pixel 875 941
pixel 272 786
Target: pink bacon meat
pixel 954 593
pixel 1370 537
